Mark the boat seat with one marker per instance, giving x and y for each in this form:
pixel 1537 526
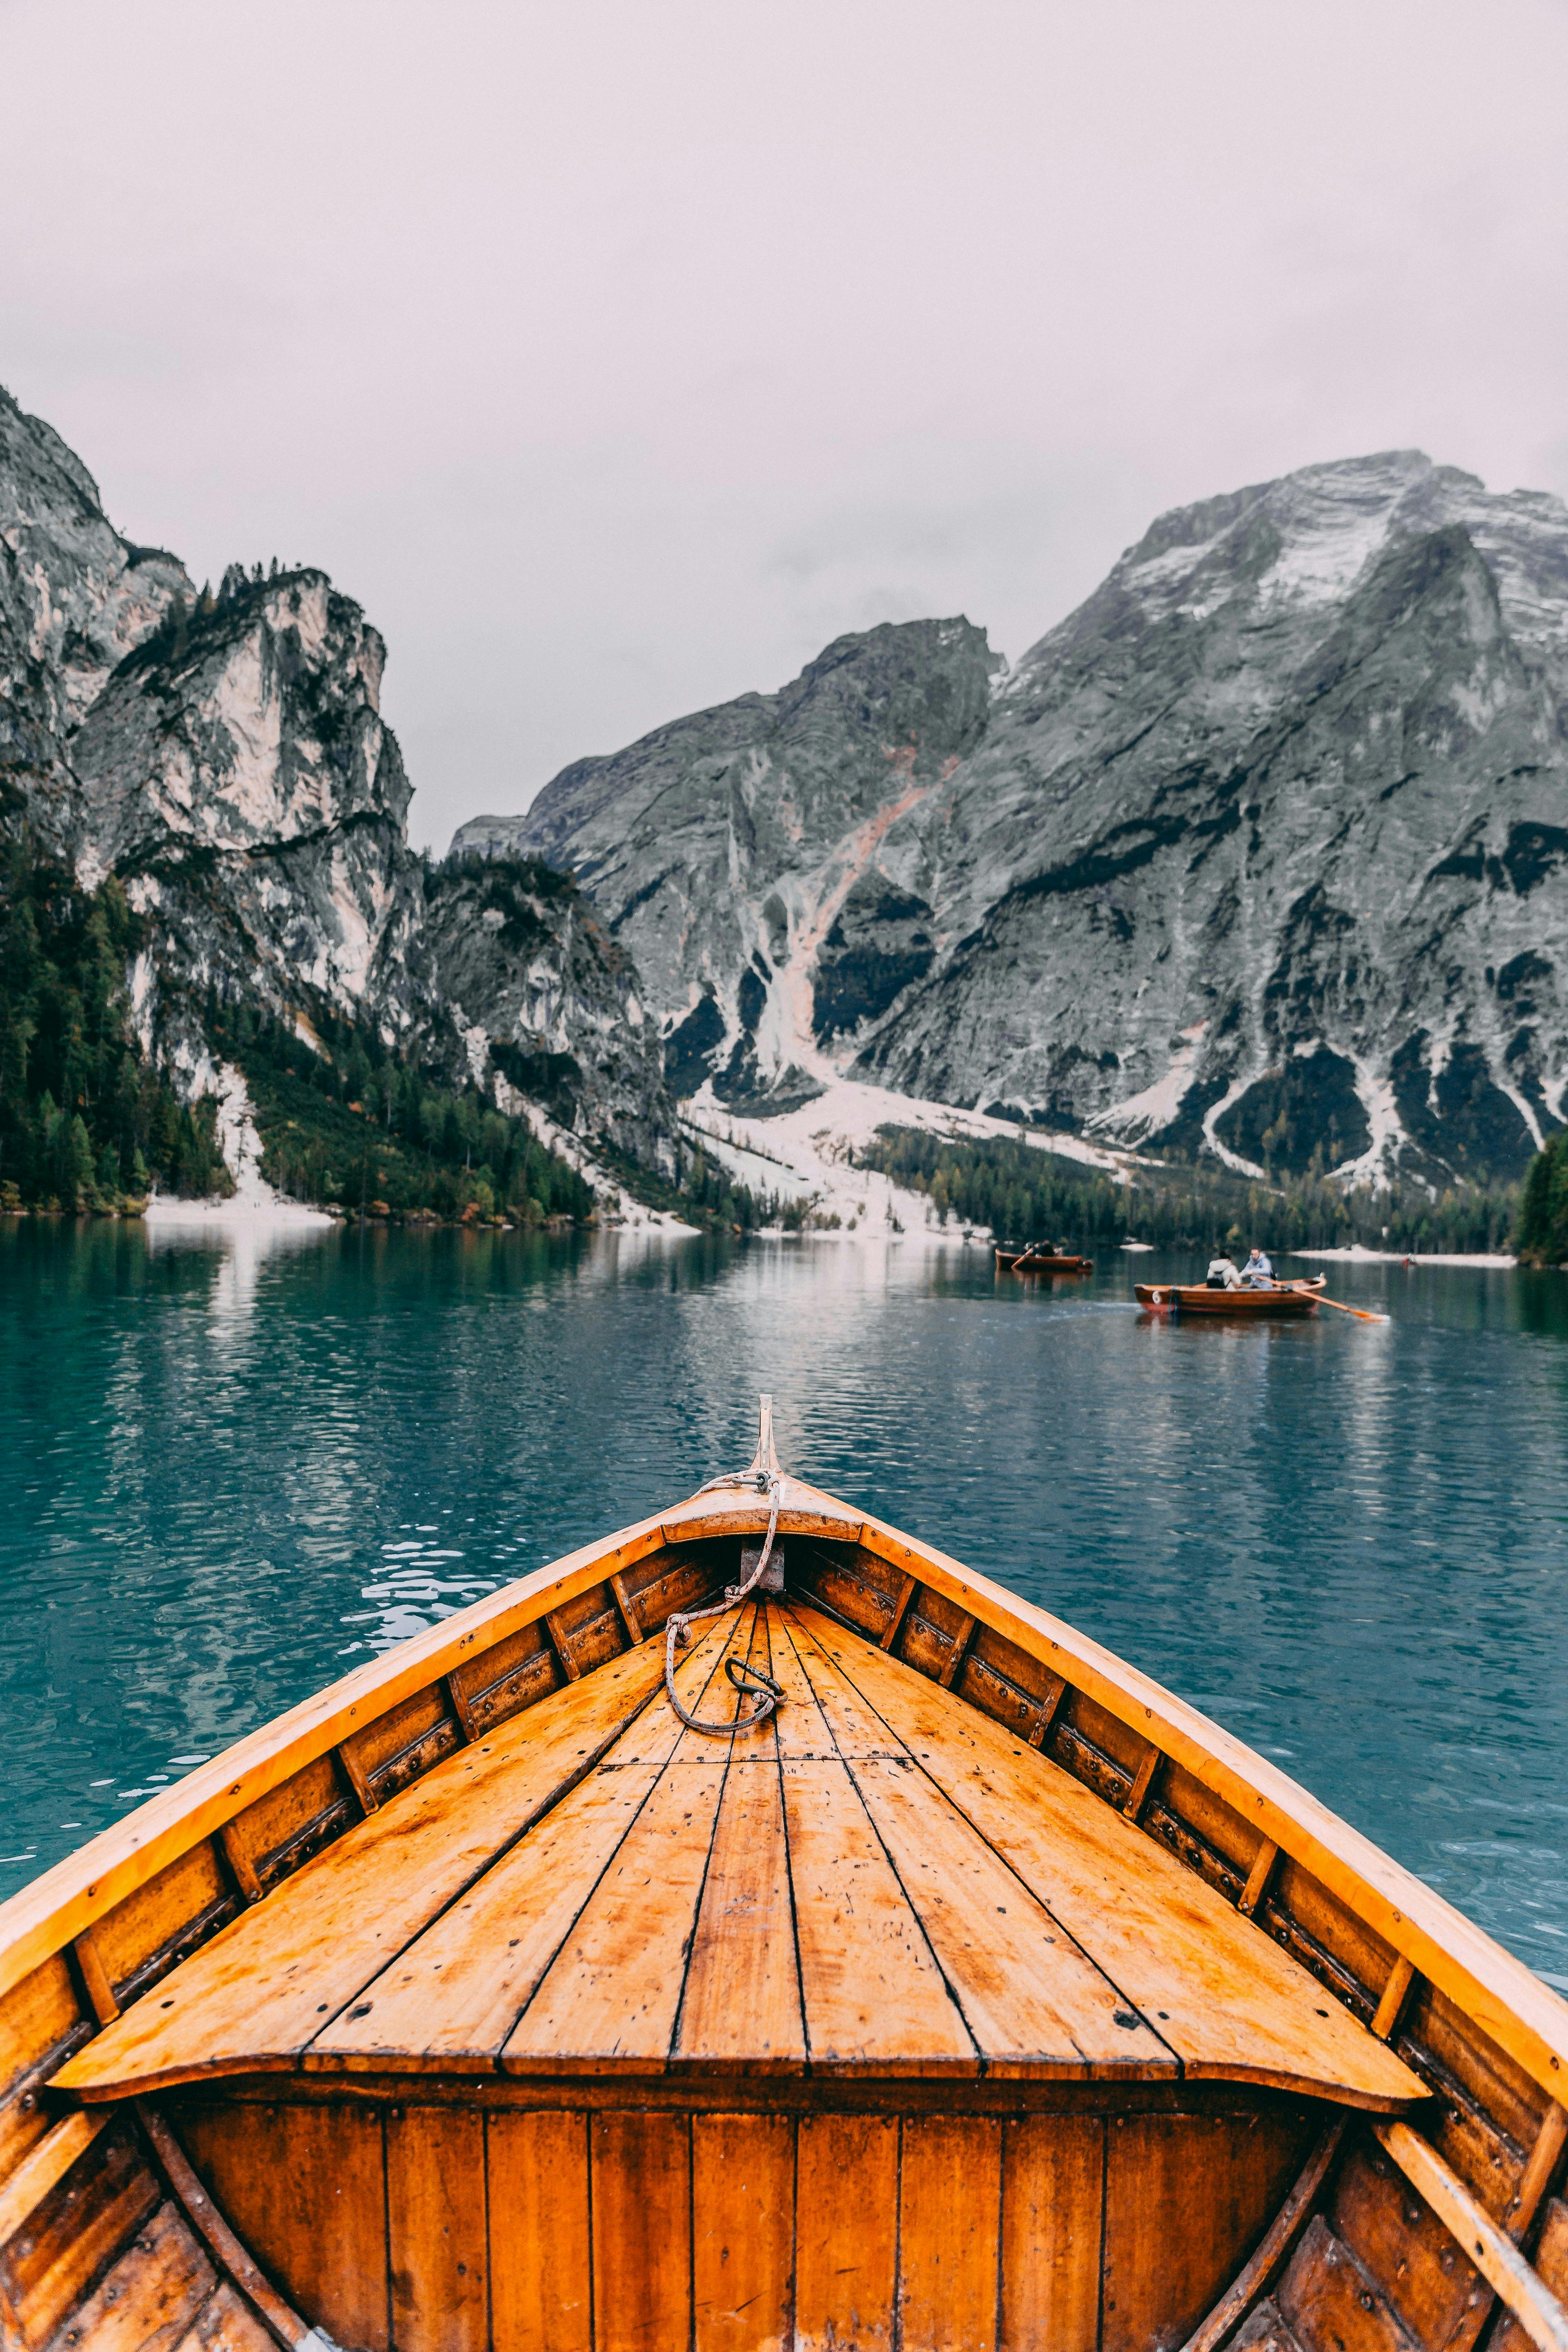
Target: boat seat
pixel 880 1882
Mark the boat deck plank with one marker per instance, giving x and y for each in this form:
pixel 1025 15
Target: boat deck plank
pixel 1034 2001
pixel 1222 1994
pixel 742 2006
pixel 269 1983
pixel 875 2000
pixel 609 2000
pixel 880 1880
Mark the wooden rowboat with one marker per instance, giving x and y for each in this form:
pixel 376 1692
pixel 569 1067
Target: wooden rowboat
pixel 1028 1261
pixel 1198 1298
pixel 983 1994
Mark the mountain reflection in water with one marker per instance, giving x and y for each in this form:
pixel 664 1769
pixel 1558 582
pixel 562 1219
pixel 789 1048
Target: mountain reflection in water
pixel 231 1465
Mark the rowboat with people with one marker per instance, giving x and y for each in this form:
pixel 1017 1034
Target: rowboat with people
pixel 1039 1257
pixel 1217 1299
pixel 758 1929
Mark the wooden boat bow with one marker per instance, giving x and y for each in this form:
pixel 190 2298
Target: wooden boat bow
pixel 486 2003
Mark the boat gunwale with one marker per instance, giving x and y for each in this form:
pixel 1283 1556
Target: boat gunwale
pixel 1521 2013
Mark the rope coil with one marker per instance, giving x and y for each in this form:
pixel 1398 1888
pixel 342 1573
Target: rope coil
pixel 748 1680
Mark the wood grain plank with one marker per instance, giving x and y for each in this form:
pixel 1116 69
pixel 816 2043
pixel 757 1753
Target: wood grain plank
pixel 1053 2180
pixel 873 1995
pixel 453 1996
pixel 743 2232
pixel 874 1999
pixel 954 1660
pixel 172 1911
pixel 540 2247
pixel 1186 2200
pixel 1395 1992
pixel 742 2003
pixel 609 2000
pixel 1257 1877
pixel 562 1638
pixel 1552 2261
pixel 1518 2013
pixel 1034 2001
pixel 847 2246
pixel 1273 2250
pixel 242 1869
pixel 742 2006
pixel 1223 1995
pixel 949 2199
pixel 1047 1715
pixel 1544 2156
pixel 1331 2305
pixel 1437 2294
pixel 628 1609
pixel 43 2166
pixel 95 1977
pixel 228 2251
pixel 266 1985
pixel 77 2230
pixel 642 2231
pixel 358 1778
pixel 906 1594
pixel 153 2294
pixel 304 2189
pixel 1538 2311
pixel 435 2229
pixel 225 2324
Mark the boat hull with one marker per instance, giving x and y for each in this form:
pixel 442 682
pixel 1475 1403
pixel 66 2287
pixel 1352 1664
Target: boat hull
pixel 1020 1262
pixel 1198 1298
pixel 198 2156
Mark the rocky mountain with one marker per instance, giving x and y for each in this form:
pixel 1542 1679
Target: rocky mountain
pixel 736 855
pixel 1262 853
pixel 225 757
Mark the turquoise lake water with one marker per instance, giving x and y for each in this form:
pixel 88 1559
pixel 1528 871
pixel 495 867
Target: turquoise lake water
pixel 231 1468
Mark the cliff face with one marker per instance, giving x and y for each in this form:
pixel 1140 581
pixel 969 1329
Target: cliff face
pixel 234 771
pixel 75 598
pixel 734 853
pixel 1263 851
pixel 225 758
pixel 536 986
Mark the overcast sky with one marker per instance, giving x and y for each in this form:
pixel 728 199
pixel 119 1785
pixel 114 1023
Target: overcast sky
pixel 617 356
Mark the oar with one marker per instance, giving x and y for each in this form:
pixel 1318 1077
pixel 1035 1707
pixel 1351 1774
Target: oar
pixel 1365 1313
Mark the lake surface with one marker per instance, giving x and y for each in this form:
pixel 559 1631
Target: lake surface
pixel 231 1467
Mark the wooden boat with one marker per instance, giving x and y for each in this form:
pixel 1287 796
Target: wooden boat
pixel 1034 1261
pixel 1198 1298
pixel 980 1994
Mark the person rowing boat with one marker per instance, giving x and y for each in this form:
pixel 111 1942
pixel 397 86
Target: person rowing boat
pixel 1258 1273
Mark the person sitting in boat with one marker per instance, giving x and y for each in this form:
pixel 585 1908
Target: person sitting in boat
pixel 1222 1275
pixel 1258 1273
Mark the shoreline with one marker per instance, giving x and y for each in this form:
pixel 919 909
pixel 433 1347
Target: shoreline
pixel 235 1214
pixel 1357 1254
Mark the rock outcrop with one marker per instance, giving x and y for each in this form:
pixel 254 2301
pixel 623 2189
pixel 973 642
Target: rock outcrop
pixel 75 599
pixel 225 758
pixel 1262 853
pixel 547 1004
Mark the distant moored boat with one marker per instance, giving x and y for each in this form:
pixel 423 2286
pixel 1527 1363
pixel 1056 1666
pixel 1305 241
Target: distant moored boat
pixel 1035 1260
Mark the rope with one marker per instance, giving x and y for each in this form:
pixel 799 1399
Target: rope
pixel 746 1679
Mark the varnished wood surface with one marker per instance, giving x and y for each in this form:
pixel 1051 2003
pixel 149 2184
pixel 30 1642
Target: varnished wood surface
pixel 878 1881
pixel 745 2231
pixel 206 1819
pixel 403 2158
